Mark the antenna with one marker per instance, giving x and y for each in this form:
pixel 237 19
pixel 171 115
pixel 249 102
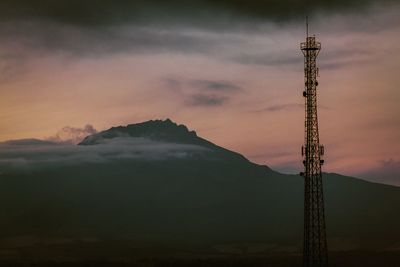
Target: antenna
pixel 307 25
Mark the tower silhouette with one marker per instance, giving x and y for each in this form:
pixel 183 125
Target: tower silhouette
pixel 315 252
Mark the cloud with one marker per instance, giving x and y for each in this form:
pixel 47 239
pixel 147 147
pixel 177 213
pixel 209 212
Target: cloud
pixel 267 59
pixel 45 37
pixel 12 66
pixel 340 63
pixel 172 84
pixel 286 107
pixel 72 135
pixel 338 57
pixel 335 58
pixel 109 12
pixel 201 85
pixel 289 106
pixel 221 86
pixel 28 142
pixel 206 100
pixel 220 29
pixel 202 92
pixel 104 27
pixel 30 154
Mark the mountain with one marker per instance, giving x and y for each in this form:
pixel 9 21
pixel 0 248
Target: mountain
pixel 155 129
pixel 162 132
pixel 156 188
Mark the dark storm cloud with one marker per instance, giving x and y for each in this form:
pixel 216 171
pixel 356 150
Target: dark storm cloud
pixel 50 37
pixel 113 12
pixel 152 26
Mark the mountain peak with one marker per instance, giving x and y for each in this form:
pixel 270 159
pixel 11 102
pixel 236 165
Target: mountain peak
pixel 158 130
pixel 164 131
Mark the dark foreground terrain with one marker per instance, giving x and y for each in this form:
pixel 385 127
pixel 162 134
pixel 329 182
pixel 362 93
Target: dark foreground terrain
pixel 337 259
pixel 117 253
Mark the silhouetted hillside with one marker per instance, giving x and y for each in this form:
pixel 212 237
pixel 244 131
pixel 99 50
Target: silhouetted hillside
pixel 156 188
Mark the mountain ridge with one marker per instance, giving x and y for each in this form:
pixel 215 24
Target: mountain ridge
pixel 213 203
pixel 158 130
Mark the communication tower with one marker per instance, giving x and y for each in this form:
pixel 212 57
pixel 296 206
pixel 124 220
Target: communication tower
pixel 315 251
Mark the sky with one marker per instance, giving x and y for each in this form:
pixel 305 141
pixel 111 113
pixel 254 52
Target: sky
pixel 230 70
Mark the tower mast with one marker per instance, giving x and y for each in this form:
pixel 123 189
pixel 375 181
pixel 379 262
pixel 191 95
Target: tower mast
pixel 315 252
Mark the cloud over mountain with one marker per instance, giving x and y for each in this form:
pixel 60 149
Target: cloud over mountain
pixel 72 135
pixel 32 155
pixel 148 141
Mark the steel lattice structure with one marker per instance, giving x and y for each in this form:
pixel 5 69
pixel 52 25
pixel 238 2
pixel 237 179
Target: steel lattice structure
pixel 315 252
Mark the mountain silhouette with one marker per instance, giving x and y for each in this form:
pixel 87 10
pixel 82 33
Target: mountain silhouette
pixel 161 131
pixel 154 129
pixel 156 186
